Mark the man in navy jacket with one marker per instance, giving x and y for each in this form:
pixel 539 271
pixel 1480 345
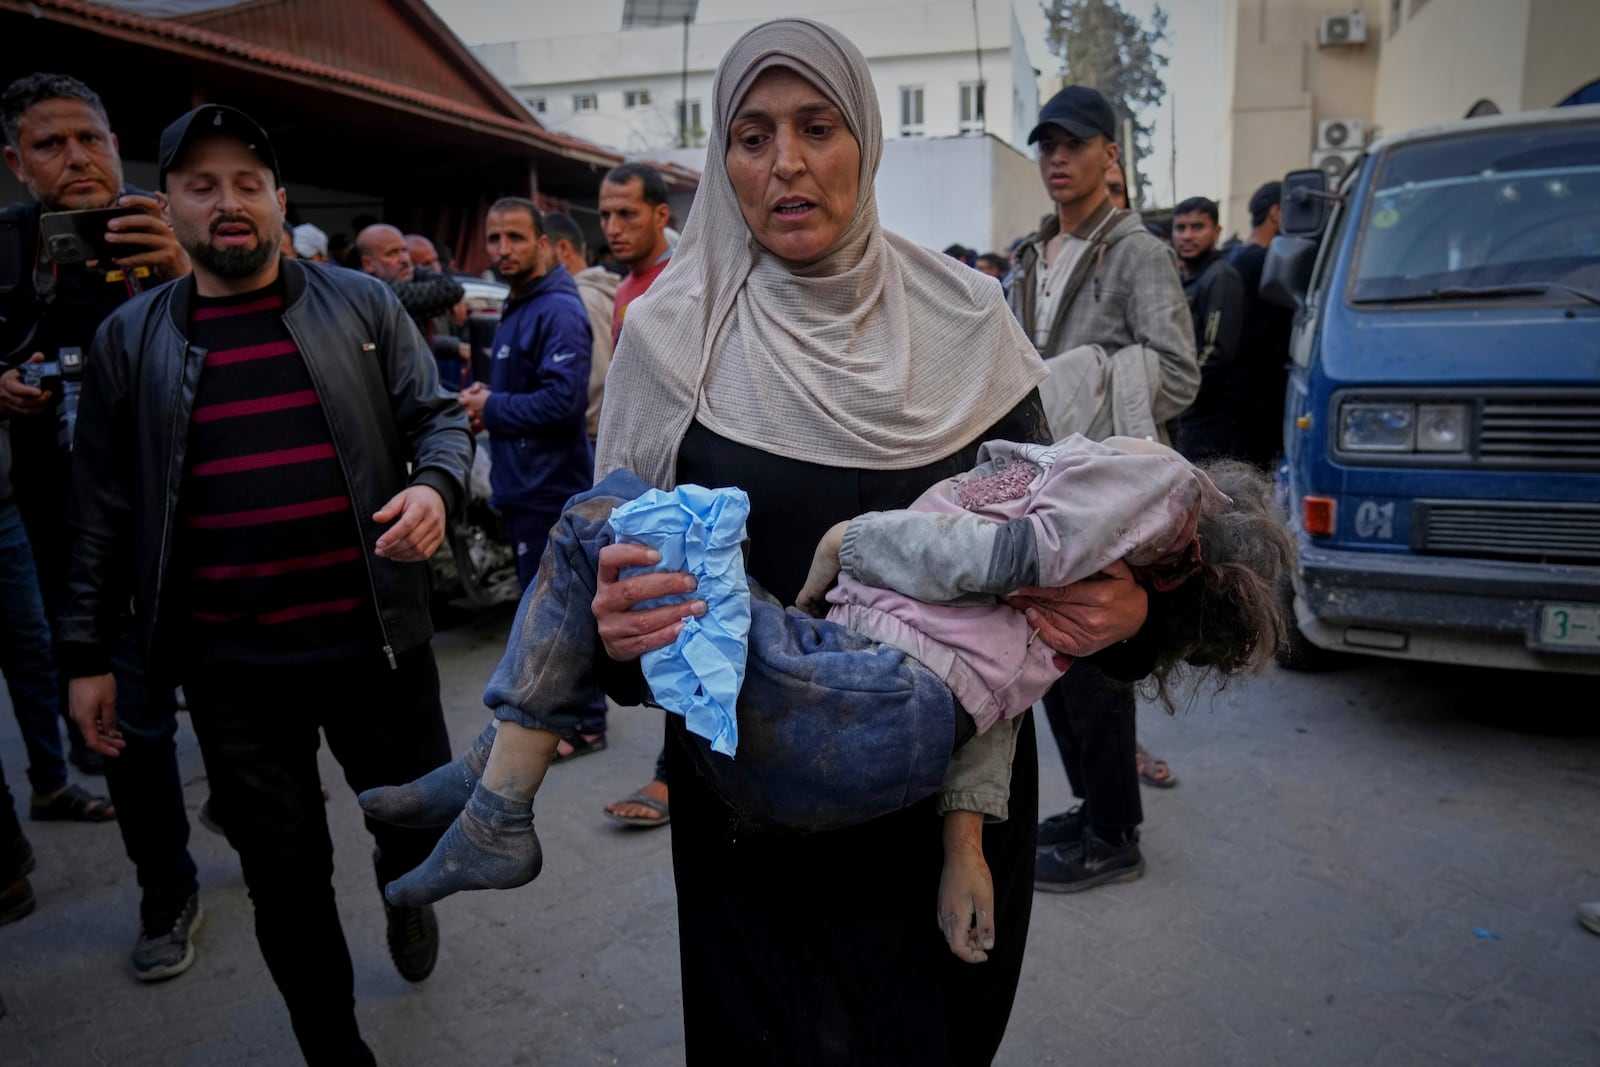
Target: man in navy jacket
pixel 538 391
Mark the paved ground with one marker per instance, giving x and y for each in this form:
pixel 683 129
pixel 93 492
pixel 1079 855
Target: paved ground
pixel 1378 865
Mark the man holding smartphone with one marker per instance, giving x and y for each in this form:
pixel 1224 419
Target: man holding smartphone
pixel 60 146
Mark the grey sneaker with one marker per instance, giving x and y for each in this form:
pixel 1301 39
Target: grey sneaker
pixel 166 951
pixel 1589 916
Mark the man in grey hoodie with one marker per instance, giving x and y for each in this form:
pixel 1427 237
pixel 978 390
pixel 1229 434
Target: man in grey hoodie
pixel 1102 301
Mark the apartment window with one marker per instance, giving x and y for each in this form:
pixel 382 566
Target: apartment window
pixel 585 102
pixel 688 121
pixel 971 107
pixel 636 98
pixel 536 104
pixel 911 111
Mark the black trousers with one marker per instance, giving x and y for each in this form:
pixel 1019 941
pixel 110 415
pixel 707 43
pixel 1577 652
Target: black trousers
pixel 821 950
pixel 1091 715
pixel 258 731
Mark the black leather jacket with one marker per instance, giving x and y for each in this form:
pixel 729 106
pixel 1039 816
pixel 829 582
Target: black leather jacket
pixel 378 386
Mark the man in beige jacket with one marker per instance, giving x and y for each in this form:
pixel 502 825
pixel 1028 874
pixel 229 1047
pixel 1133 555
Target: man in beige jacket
pixel 598 289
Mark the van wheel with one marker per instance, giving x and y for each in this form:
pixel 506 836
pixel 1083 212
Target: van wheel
pixel 1297 653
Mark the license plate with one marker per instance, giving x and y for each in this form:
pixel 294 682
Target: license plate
pixel 1570 626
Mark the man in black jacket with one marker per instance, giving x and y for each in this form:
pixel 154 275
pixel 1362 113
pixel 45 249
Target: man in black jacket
pixel 426 294
pixel 60 146
pixel 270 519
pixel 1261 369
pixel 1216 303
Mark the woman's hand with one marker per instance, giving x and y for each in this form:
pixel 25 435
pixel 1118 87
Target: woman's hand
pixel 1082 618
pixel 824 572
pixel 626 633
pixel 966 890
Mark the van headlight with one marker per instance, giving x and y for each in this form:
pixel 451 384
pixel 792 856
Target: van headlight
pixel 1378 426
pixel 1441 427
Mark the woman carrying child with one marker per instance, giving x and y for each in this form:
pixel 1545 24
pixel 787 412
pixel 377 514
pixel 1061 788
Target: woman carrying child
pixel 798 351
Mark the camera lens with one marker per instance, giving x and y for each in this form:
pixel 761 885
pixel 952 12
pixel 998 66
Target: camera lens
pixel 67 248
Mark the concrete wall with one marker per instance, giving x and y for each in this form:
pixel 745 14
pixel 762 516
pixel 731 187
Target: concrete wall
pixel 975 191
pixel 1281 84
pixel 1445 57
pixel 1020 201
pixel 1520 54
pixel 1563 50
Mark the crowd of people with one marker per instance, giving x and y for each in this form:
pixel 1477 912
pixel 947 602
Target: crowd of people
pixel 270 428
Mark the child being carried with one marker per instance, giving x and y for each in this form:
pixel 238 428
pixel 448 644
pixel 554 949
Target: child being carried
pixel 918 602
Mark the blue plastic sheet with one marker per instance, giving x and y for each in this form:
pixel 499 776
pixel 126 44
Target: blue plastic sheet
pixel 698 531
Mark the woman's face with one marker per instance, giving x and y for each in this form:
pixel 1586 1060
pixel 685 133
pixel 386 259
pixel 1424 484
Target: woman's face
pixel 795 166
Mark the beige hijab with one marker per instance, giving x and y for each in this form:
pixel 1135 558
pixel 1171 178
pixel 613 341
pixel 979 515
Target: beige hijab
pixel 880 355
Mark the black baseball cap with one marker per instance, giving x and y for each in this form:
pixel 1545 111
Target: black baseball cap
pixel 1079 110
pixel 214 118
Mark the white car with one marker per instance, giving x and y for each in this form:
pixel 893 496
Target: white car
pixel 484 296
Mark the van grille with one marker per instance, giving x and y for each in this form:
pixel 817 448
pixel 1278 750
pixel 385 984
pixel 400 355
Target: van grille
pixel 1548 532
pixel 1563 431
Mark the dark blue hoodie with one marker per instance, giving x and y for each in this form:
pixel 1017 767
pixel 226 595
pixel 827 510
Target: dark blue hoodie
pixel 540 385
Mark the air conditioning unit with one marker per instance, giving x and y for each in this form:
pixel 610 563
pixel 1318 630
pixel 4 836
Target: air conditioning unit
pixel 1335 163
pixel 1337 135
pixel 1343 29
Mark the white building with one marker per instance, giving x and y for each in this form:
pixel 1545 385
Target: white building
pixel 638 89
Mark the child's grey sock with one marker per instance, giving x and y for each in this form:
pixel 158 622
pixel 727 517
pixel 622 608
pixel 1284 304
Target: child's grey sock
pixel 437 797
pixel 491 845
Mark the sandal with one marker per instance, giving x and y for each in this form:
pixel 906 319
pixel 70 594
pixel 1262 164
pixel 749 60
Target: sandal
pixel 1154 771
pixel 581 746
pixel 74 804
pixel 660 807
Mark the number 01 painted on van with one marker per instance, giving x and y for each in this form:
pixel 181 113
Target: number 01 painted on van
pixel 1375 520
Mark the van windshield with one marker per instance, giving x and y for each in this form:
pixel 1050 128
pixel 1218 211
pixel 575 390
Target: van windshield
pixel 1509 210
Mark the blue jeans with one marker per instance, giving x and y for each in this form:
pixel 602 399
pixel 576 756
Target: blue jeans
pixel 25 657
pixel 143 781
pixel 530 534
pixel 834 728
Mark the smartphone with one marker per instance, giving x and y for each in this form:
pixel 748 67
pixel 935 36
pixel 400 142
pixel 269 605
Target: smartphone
pixel 79 236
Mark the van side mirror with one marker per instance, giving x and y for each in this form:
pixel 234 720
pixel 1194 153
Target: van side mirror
pixel 1303 207
pixel 1286 275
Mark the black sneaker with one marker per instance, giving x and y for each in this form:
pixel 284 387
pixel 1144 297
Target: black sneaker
pixel 1091 862
pixel 166 943
pixel 1064 829
pixel 412 935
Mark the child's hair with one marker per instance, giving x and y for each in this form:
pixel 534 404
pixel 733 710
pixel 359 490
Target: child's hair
pixel 1227 618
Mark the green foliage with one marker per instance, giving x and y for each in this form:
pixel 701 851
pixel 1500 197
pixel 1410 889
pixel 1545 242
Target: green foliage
pixel 1103 46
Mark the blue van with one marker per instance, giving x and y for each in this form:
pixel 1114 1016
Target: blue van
pixel 1442 422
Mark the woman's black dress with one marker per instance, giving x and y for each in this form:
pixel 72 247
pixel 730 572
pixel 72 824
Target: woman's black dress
pixel 823 948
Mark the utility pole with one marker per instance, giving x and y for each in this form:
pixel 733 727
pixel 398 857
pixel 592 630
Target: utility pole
pixel 1173 142
pixel 979 92
pixel 683 90
pixel 1130 164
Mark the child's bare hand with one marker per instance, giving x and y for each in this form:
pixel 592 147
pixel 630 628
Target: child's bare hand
pixel 966 890
pixel 824 572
